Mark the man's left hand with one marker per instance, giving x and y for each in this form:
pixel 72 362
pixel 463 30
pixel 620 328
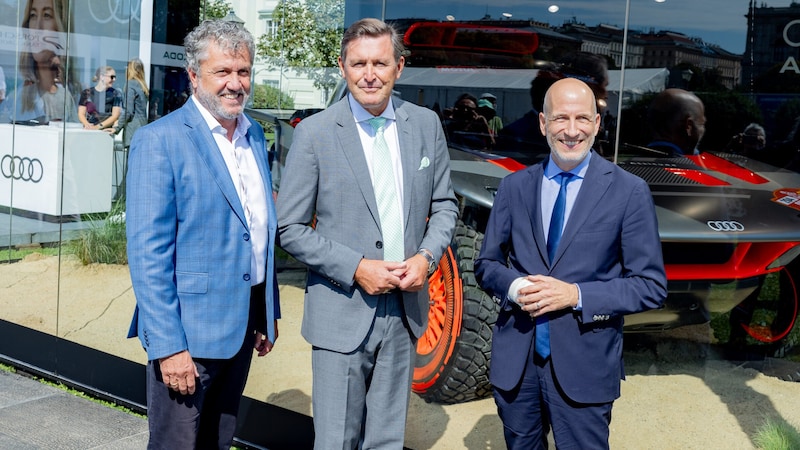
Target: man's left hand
pixel 413 279
pixel 547 294
pixel 263 345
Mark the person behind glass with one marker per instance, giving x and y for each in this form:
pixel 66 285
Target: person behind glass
pixel 466 123
pixel 2 85
pixel 136 95
pixel 366 203
pixel 750 142
pixel 45 93
pixel 487 107
pixel 571 247
pixel 677 120
pixel 101 106
pixel 201 229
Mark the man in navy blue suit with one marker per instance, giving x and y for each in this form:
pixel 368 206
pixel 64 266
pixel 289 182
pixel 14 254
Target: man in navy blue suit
pixel 571 247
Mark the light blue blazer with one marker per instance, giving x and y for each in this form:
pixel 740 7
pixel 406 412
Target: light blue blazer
pixel 188 242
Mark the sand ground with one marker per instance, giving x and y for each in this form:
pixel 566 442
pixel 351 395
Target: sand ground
pixel 679 393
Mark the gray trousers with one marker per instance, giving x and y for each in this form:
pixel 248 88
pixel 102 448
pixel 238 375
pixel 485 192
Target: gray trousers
pixel 360 399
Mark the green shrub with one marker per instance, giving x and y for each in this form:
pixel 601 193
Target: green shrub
pixel 104 241
pixel 777 435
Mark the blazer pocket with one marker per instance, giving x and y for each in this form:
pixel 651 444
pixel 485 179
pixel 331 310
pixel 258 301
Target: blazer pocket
pixel 192 282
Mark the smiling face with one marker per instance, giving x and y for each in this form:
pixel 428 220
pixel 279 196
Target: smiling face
pixel 569 121
pixel 222 83
pixel 370 70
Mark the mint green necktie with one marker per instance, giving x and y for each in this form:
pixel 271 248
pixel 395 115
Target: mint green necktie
pixel 383 182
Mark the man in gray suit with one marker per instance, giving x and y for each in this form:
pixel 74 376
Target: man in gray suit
pixel 366 203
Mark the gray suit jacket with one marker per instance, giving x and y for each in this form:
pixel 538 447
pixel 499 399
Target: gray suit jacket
pixel 327 181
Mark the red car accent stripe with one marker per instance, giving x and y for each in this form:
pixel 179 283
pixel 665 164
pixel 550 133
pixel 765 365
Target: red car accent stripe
pixel 713 162
pixel 698 176
pixel 508 164
pixel 749 259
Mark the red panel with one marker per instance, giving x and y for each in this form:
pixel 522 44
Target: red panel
pixel 748 260
pixel 713 162
pixel 698 176
pixel 508 164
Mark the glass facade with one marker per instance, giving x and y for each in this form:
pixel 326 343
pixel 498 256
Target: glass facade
pixel 729 215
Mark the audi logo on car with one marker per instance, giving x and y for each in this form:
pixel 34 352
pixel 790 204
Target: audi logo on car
pixel 21 168
pixel 725 225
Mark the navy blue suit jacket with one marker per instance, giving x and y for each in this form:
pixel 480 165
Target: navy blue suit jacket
pixel 610 247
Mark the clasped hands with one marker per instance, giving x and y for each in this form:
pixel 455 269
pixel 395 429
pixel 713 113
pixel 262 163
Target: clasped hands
pixel 543 294
pixel 379 277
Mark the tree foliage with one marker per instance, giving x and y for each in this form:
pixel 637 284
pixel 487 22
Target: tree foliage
pixel 267 97
pixel 307 40
pixel 215 9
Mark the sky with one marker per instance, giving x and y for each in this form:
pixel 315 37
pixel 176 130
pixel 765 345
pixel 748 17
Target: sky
pixel 720 22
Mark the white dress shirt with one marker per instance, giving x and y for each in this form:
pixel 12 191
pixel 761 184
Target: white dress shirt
pixel 367 135
pixel 256 197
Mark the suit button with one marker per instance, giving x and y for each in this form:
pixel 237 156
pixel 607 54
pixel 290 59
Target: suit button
pixel 246 236
pixel 378 244
pixel 246 277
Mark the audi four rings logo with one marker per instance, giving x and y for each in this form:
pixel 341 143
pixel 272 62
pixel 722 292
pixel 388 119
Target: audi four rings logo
pixel 725 225
pixel 21 168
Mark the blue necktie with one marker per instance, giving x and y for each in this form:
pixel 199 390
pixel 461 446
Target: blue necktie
pixel 542 343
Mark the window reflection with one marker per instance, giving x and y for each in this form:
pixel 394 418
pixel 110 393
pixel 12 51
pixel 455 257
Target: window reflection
pixel 740 58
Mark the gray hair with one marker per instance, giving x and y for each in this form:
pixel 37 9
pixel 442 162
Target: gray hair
pixel 370 27
pixel 229 36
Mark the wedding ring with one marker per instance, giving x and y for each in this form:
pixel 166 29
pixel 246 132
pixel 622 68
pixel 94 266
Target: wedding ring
pixel 537 306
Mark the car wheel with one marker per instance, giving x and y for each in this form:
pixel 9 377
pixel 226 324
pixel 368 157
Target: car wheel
pixel 771 317
pixel 452 364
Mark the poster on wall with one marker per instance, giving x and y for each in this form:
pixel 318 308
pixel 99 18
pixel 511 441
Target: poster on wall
pixel 55 44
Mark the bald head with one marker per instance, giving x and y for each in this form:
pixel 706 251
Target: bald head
pixel 569 88
pixel 569 121
pixel 677 116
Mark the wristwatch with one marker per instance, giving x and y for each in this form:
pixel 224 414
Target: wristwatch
pixel 429 256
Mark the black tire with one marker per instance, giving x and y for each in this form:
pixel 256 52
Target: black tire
pixel 454 366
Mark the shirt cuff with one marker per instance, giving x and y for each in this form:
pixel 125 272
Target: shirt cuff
pixel 516 285
pixel 579 306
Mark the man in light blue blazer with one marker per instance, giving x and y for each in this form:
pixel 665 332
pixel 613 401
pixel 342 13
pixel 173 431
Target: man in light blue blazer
pixel 201 228
pixel 369 209
pixel 565 281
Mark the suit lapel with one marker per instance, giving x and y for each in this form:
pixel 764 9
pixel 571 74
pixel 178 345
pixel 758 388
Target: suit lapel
pixel 198 133
pixel 350 143
pixel 533 202
pixel 595 184
pixel 409 157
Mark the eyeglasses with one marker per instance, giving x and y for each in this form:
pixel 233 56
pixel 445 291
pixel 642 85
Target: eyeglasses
pixel 113 77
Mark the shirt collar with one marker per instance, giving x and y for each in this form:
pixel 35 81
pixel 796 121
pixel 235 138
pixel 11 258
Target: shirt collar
pixel 242 123
pixel 362 115
pixel 551 169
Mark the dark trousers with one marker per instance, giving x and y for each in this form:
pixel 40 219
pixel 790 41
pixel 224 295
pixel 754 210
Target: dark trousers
pixel 537 404
pixel 207 418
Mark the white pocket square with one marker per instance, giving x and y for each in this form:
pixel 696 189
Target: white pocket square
pixel 424 162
